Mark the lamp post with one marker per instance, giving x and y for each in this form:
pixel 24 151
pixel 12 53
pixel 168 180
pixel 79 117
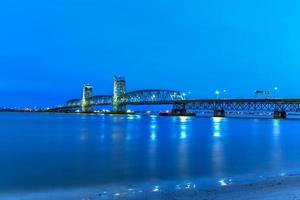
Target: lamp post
pixel 224 93
pixel 275 91
pixel 217 92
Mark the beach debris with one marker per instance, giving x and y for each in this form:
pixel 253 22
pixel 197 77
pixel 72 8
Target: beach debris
pixel 156 189
pixel 225 182
pixel 102 193
pixel 222 182
pixel 117 194
pixel 177 187
pixel 86 198
pixel 282 174
pixel 189 186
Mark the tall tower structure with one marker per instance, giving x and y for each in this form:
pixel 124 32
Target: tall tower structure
pixel 87 94
pixel 119 94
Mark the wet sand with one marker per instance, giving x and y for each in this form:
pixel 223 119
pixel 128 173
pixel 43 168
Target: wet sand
pixel 281 188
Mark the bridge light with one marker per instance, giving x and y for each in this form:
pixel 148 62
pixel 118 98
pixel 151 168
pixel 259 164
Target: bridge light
pixel 275 91
pixel 224 93
pixel 217 92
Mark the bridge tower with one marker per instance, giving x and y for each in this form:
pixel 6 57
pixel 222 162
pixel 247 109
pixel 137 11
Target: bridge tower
pixel 87 95
pixel 119 94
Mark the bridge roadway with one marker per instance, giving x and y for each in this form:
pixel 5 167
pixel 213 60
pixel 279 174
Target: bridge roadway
pixel 121 98
pixel 279 106
pixel 269 104
pixel 138 97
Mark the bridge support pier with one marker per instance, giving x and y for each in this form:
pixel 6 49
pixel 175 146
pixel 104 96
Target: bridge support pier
pixel 219 113
pixel 178 110
pixel 279 115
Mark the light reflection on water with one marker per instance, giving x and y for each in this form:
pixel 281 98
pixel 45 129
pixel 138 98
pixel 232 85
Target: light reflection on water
pixel 217 147
pixel 102 149
pixel 276 147
pixel 217 126
pixel 153 145
pixel 183 160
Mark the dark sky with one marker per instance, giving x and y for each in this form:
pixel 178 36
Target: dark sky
pixel 49 49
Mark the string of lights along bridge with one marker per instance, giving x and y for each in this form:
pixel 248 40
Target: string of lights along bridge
pixel 279 107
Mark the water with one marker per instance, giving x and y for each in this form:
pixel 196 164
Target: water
pixel 45 151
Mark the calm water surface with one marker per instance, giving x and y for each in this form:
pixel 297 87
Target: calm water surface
pixel 49 151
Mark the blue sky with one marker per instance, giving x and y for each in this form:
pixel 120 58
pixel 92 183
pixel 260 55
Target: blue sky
pixel 49 49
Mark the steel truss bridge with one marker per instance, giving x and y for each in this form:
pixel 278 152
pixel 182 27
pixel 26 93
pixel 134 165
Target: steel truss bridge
pixel 138 97
pixel 280 107
pixel 181 106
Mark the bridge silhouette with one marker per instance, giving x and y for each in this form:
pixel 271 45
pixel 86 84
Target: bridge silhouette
pixel 279 107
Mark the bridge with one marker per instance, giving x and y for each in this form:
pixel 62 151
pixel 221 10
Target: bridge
pixel 181 106
pixel 279 107
pixel 121 98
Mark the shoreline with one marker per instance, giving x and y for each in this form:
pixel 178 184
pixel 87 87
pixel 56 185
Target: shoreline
pixel 281 188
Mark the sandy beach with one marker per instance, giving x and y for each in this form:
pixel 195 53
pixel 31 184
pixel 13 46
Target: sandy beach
pixel 280 188
pixel 277 188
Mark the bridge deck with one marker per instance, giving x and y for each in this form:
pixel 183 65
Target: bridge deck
pixel 238 100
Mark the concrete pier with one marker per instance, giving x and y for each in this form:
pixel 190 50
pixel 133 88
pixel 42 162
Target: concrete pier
pixel 279 115
pixel 177 112
pixel 219 113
